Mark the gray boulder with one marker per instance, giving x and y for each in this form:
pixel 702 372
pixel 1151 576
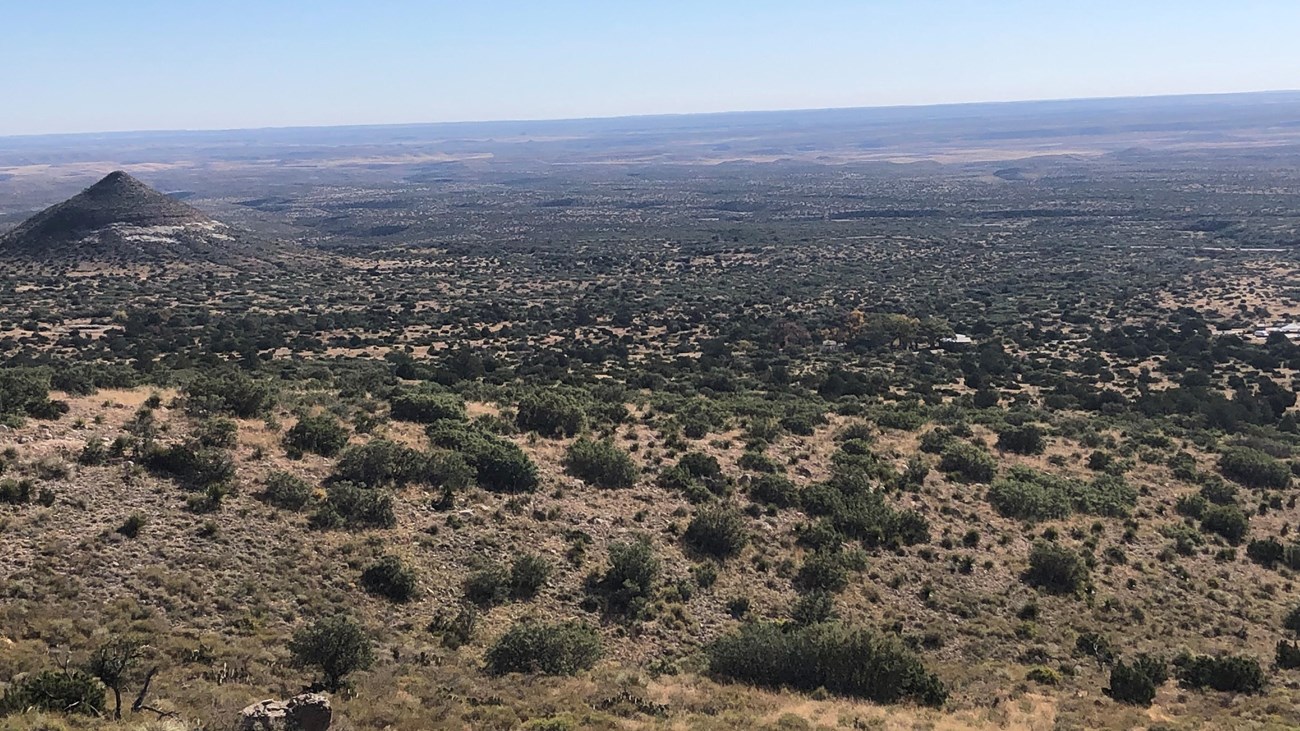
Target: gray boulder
pixel 306 712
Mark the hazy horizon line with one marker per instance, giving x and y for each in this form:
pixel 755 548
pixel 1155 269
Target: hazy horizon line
pixel 651 115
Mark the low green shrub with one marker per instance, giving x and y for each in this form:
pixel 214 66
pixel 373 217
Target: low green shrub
pixel 528 574
pixel 229 392
pixel 824 571
pixel 776 490
pixel 390 578
pixel 337 646
pixel 1218 491
pixel 195 466
pixel 1043 676
pixel 455 630
pixel 16 492
pixel 1056 569
pixel 1227 673
pixel 25 392
pixel 551 413
pixel 426 407
pixel 1106 495
pixel 698 475
pixel 379 463
pixel 450 470
pixel 1254 468
pixel 55 691
pixel 354 507
pixel 530 646
pixel 1136 683
pixel 758 462
pixel 856 509
pixel 936 440
pixel 717 530
pixel 287 491
pixel 132 525
pixel 321 434
pixel 813 607
pixel 487 585
pixel 1030 496
pixel 1022 439
pixel 1287 655
pixel 629 582
pixel 851 661
pixel 94 453
pixel 967 462
pixel 600 463
pixel 1265 552
pixel 1227 521
pixel 1094 645
pixel 217 431
pixel 499 464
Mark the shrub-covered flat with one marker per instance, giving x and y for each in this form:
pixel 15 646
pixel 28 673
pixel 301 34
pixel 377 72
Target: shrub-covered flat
pixel 778 446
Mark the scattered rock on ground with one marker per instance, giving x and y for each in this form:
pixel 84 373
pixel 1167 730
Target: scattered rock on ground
pixel 306 712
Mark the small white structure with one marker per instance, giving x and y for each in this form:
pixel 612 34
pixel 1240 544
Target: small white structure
pixel 957 339
pixel 1291 330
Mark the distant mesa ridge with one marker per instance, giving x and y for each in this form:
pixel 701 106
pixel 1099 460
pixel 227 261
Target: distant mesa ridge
pixel 121 218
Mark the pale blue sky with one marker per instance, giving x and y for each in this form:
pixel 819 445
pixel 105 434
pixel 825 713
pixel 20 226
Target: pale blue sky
pixel 90 65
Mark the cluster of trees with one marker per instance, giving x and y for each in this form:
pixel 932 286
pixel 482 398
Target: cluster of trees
pixel 1030 495
pixel 699 476
pixel 1254 468
pixel 229 391
pixel 853 503
pixel 1215 506
pixel 629 583
pixel 493 583
pixel 1137 682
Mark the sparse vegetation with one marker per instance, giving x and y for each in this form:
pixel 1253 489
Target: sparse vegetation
pixel 1012 416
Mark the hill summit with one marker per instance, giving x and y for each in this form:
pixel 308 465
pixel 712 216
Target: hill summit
pixel 122 219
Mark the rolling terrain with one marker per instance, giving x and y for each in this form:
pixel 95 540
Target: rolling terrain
pixel 943 418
